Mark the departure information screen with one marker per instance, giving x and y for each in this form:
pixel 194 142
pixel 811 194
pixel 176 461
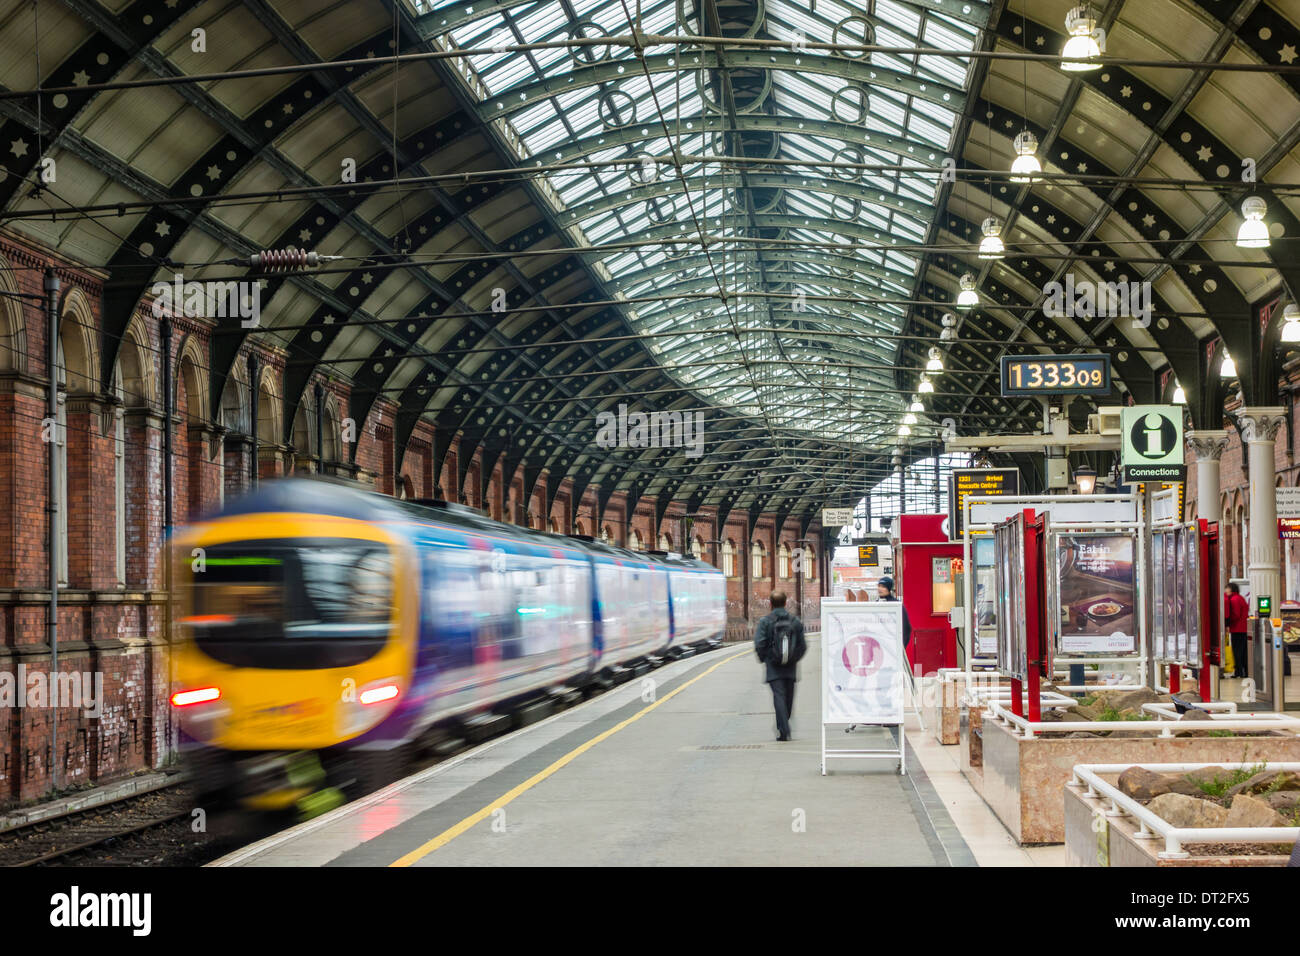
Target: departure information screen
pixel 1055 375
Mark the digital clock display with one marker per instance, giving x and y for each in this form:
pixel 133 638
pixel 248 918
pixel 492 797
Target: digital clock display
pixel 1055 375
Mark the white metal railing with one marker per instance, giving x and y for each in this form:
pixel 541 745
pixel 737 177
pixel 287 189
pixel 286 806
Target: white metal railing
pixel 1152 826
pixel 1253 721
pixel 1169 710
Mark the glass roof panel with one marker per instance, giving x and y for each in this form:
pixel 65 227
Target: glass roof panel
pixel 765 205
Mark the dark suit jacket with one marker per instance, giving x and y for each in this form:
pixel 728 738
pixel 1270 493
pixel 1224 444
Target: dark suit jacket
pixel 763 639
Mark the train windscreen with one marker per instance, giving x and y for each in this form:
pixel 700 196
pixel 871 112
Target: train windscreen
pixel 291 605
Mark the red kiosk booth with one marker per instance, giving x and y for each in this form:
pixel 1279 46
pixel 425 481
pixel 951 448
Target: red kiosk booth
pixel 926 565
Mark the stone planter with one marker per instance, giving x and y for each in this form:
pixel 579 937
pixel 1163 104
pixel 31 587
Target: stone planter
pixel 1094 837
pixel 1022 779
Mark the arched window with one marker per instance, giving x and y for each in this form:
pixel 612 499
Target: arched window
pixel 729 558
pixel 783 561
pixel 13 340
pixel 638 543
pixel 809 563
pixel 756 562
pixel 697 548
pixel 553 526
pixel 75 374
pixel 579 527
pixel 330 439
pixel 606 535
pixel 665 542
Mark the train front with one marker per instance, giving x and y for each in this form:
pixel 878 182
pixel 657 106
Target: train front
pixel 295 641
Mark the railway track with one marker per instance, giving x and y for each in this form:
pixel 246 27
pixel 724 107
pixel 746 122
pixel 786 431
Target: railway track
pixel 124 831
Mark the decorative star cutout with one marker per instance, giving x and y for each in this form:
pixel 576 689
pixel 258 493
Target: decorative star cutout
pixel 304 235
pixel 1126 91
pixel 1051 219
pixel 288 109
pixel 162 229
pixel 214 172
pixel 367 278
pixel 1109 267
pixel 1083 167
pixel 329 320
pixel 1148 220
pixel 1194 269
pixel 1110 343
pixel 1204 154
pixel 1287 53
pixel 18 147
pixel 80 78
pixel 1039 40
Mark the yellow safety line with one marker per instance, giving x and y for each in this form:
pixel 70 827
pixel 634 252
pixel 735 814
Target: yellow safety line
pixel 446 836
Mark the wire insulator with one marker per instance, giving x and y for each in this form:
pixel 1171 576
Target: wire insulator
pixel 284 260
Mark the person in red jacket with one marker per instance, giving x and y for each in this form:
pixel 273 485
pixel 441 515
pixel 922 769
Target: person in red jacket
pixel 1235 613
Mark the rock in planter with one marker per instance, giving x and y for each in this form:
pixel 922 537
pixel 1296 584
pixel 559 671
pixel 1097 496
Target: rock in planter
pixel 1143 784
pixel 1272 780
pixel 1195 714
pixel 1284 801
pixel 1248 811
pixel 1122 700
pixel 1184 811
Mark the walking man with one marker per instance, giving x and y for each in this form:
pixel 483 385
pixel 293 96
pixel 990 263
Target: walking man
pixel 779 644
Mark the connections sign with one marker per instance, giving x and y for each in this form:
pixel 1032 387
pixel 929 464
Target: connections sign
pixel 1151 443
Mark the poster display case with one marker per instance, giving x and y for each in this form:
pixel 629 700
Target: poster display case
pixel 1177 595
pixel 986 602
pixel 1012 646
pixel 1093 586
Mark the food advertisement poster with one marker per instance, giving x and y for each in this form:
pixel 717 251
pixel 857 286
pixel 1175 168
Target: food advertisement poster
pixel 1097 594
pixel 986 608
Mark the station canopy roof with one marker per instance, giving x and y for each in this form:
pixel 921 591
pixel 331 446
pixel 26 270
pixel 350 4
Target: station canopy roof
pixel 564 206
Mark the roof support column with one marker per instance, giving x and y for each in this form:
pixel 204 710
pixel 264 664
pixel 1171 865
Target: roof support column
pixel 1208 447
pixel 1259 428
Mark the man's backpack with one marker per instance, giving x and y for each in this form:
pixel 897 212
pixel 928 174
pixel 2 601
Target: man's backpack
pixel 783 642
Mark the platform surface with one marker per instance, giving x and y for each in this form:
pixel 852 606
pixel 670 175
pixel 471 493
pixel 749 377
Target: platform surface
pixel 688 774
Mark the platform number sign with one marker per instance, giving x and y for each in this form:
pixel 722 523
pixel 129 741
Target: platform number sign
pixel 1151 443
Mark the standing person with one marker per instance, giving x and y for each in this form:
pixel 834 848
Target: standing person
pixel 779 644
pixel 1235 614
pixel 885 592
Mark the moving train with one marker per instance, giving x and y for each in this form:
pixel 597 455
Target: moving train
pixel 326 632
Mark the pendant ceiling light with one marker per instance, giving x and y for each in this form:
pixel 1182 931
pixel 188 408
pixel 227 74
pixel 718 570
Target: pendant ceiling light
pixel 949 332
pixel 926 386
pixel 904 431
pixel 967 297
pixel 1291 323
pixel 909 419
pixel 1082 51
pixel 936 363
pixel 991 246
pixel 1180 397
pixel 916 405
pixel 1025 167
pixel 1253 233
pixel 1228 370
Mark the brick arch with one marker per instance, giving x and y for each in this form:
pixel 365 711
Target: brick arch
pixel 13 331
pixel 80 352
pixel 133 366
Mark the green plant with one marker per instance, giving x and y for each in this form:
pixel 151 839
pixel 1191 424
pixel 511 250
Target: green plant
pixel 1110 713
pixel 1220 733
pixel 1222 783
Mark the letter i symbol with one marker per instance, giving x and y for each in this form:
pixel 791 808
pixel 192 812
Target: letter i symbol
pixel 1154 447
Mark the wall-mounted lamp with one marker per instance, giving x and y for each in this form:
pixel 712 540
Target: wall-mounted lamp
pixel 1086 480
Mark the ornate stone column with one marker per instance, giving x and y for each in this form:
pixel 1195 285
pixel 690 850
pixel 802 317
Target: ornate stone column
pixel 1259 426
pixel 1208 447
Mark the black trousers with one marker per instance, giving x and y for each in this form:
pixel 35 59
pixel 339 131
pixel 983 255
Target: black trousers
pixel 783 701
pixel 1239 653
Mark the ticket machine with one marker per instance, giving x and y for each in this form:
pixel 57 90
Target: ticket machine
pixel 926 565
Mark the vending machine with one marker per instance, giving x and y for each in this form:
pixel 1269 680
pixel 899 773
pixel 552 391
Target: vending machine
pixel 926 566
